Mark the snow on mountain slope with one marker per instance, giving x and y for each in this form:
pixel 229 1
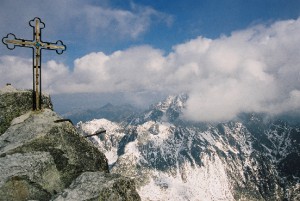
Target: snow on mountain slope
pixel 106 142
pixel 172 159
pixel 208 182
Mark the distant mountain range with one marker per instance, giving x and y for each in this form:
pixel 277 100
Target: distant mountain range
pixel 116 113
pixel 255 157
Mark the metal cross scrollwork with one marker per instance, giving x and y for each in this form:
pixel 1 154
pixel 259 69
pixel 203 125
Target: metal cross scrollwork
pixel 36 45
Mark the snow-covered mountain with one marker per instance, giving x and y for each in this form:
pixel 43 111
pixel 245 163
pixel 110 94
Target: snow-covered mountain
pixel 252 158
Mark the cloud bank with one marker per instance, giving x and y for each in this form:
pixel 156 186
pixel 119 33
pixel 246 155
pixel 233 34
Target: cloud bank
pixel 252 70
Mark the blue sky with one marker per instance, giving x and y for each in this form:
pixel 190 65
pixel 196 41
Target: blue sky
pixel 212 50
pixel 169 23
pixel 212 18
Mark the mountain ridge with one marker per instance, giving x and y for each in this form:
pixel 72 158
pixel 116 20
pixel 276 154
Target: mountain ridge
pixel 108 111
pixel 255 157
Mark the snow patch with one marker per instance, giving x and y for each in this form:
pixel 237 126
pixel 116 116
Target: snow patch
pixel 206 183
pixel 108 142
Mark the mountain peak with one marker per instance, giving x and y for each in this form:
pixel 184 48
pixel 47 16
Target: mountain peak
pixel 167 110
pixel 175 102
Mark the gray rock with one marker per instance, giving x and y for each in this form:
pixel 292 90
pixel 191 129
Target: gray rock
pixel 37 131
pixel 14 103
pixel 41 154
pixel 29 176
pixel 98 186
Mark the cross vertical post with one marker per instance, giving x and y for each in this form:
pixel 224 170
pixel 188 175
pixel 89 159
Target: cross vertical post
pixel 36 44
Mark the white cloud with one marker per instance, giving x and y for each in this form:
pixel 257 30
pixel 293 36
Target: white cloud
pixel 137 68
pixel 54 76
pixel 90 21
pixel 124 23
pixel 252 70
pixel 16 70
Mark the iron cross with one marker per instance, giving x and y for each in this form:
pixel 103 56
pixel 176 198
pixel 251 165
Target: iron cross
pixel 36 45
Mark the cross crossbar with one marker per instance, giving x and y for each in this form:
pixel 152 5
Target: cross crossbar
pixel 36 44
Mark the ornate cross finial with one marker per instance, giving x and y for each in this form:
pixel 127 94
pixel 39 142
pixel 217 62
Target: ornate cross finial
pixel 36 45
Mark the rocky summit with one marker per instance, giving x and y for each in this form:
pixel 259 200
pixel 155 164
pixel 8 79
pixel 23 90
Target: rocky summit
pixel 43 157
pixel 14 103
